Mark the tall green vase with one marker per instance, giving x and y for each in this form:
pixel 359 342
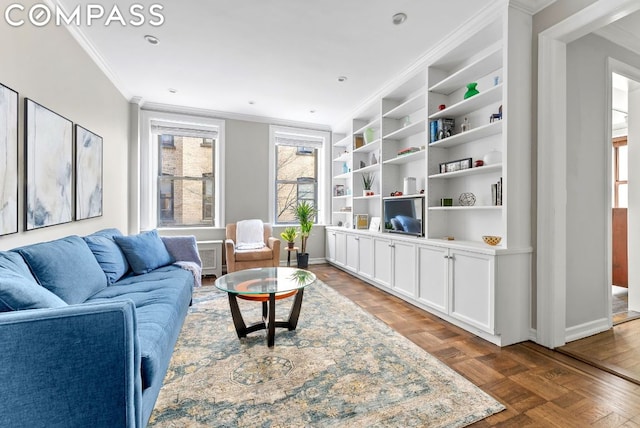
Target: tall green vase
pixel 471 90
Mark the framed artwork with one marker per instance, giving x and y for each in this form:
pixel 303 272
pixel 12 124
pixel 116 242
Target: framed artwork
pixel 362 221
pixel 49 167
pixel 8 160
pixel 88 174
pixel 374 224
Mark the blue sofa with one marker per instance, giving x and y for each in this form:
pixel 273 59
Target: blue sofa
pixel 87 327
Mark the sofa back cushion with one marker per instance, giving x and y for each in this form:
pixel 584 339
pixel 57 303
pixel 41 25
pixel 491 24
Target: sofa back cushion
pixel 66 267
pixel 145 251
pixel 108 254
pixel 19 290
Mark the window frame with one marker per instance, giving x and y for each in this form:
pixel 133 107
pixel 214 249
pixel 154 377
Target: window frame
pixel 617 143
pixel 321 199
pixel 149 164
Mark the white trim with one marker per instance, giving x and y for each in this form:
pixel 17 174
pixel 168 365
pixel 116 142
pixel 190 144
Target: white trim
pixel 587 329
pixel 531 6
pixel 200 112
pixel 621 37
pixel 552 145
pixel 148 165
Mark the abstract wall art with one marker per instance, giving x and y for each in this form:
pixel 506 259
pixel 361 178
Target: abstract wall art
pixel 88 174
pixel 8 160
pixel 49 167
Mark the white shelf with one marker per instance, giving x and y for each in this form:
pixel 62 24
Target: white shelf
pixel 483 66
pixel 362 198
pixel 345 157
pixel 415 195
pixel 471 208
pixel 402 159
pixel 342 176
pixel 472 135
pixel 470 171
pixel 411 105
pixel 489 96
pixel 341 197
pixel 345 142
pixel 368 148
pixel 373 124
pixel 342 212
pixel 370 168
pixel 407 131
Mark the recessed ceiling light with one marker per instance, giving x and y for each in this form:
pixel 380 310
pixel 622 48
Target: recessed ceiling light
pixel 252 102
pixel 342 78
pixel 172 90
pixel 312 111
pixel 151 39
pixel 399 18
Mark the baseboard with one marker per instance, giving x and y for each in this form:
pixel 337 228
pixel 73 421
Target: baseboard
pixel 587 329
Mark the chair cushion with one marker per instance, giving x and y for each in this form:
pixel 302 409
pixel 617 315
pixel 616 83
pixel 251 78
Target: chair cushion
pixel 265 253
pixel 108 254
pixel 66 267
pixel 19 290
pixel 145 251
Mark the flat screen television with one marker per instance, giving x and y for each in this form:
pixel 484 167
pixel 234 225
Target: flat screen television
pixel 404 215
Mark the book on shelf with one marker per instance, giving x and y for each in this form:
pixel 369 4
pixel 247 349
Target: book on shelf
pixel 441 129
pixel 496 193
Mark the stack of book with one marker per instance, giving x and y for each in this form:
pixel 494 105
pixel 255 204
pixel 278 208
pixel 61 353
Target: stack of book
pixel 441 128
pixel 496 193
pixel 408 150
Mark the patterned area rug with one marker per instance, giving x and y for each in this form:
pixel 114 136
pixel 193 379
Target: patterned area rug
pixel 341 367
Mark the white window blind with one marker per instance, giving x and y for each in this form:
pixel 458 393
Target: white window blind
pixel 309 141
pixel 183 130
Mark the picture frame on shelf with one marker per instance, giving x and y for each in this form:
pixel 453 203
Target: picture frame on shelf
pixel 362 221
pixel 374 224
pixel 338 190
pixel 358 141
pixel 457 165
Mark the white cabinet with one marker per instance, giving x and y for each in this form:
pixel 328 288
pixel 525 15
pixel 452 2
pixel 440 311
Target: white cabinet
pixel 365 256
pixel 471 284
pixel 330 250
pixel 404 267
pixel 352 254
pixel 433 277
pixel 341 249
pixel 382 261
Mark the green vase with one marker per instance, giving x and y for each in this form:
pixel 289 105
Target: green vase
pixel 471 90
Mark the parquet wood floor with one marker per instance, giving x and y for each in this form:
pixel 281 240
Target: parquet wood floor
pixel 539 387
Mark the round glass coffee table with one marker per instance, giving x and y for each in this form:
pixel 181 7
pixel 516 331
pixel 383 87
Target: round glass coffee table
pixel 265 285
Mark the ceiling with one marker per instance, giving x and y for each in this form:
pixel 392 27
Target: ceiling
pixel 283 56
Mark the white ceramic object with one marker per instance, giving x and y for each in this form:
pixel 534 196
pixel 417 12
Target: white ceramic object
pixel 492 158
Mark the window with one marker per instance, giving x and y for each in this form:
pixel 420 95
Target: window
pixel 298 166
pixel 181 171
pixel 620 170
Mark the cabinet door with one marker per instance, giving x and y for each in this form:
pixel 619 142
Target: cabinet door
pixel 365 256
pixel 341 247
pixel 472 288
pixel 404 267
pixel 330 251
pixel 433 281
pixel 382 261
pixel 351 260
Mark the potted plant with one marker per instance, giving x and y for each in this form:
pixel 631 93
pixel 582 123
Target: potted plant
pixel 367 181
pixel 305 213
pixel 289 234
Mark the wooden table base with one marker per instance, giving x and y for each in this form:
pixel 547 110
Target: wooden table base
pixel 269 322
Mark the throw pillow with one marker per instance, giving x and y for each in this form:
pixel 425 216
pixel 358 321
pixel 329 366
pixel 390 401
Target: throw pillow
pixel 66 267
pixel 145 251
pixel 108 254
pixel 19 290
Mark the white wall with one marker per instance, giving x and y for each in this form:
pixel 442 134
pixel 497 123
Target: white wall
pixel 633 140
pixel 588 181
pixel 47 65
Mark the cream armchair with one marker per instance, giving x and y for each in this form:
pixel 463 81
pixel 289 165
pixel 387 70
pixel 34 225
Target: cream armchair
pixel 268 256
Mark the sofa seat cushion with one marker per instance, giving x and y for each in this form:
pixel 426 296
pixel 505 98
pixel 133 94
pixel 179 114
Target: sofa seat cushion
pixel 108 254
pixel 161 298
pixel 145 251
pixel 19 289
pixel 66 267
pixel 265 253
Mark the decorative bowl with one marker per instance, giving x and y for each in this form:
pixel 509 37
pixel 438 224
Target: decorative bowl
pixel 491 239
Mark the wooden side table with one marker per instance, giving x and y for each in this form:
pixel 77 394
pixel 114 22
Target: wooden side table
pixel 289 250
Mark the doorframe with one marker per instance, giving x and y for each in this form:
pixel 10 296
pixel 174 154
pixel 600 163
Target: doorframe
pixel 552 157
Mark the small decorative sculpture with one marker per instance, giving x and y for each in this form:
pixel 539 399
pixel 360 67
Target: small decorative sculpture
pixel 471 90
pixel 467 199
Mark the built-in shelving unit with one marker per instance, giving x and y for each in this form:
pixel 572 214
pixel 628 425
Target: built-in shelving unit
pixel 450 271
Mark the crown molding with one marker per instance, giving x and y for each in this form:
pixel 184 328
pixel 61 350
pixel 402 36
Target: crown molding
pixel 531 6
pixel 621 37
pixel 194 111
pixel 93 53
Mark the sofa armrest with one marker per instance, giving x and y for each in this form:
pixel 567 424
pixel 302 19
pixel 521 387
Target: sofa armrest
pixel 274 244
pixel 73 366
pixel 230 251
